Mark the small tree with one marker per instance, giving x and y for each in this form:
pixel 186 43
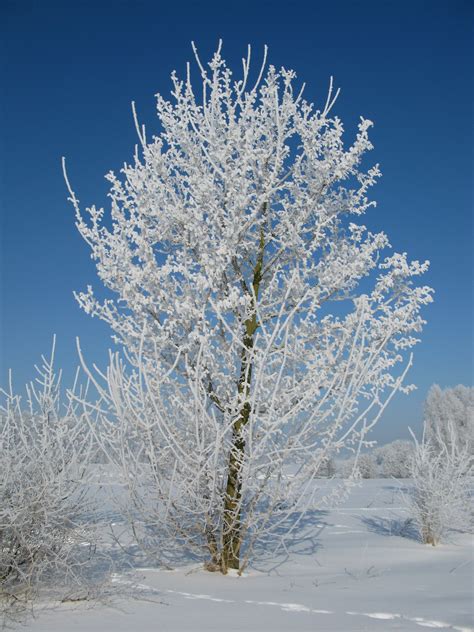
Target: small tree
pixel 395 459
pixel 449 413
pixel 442 471
pixel 327 468
pixel 234 259
pixel 363 464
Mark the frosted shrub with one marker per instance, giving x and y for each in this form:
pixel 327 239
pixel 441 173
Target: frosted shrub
pixel 442 473
pixel 44 451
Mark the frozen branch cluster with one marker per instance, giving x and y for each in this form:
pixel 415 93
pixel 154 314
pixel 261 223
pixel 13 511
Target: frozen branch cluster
pixel 265 327
pixel 44 451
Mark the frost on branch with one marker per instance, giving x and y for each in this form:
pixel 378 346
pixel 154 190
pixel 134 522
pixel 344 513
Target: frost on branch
pixel 234 258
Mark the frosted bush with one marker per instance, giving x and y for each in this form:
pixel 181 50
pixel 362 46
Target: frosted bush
pixel 45 448
pixel 442 473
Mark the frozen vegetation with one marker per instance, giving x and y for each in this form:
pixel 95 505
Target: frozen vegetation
pixel 357 566
pixel 263 330
pixel 78 553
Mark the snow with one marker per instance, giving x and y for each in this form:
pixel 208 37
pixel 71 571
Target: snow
pixel 366 578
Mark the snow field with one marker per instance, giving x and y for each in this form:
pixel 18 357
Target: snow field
pixel 356 575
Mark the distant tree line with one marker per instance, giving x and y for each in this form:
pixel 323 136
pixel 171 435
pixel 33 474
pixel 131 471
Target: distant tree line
pixel 448 418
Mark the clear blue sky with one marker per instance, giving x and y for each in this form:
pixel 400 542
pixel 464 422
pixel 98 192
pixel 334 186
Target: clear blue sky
pixel 71 69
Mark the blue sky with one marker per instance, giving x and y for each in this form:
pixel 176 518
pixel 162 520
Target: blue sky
pixel 70 71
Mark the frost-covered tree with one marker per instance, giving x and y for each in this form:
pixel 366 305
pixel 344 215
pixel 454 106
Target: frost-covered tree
pixel 394 459
pixel 327 468
pixel 364 465
pixel 449 413
pixel 265 323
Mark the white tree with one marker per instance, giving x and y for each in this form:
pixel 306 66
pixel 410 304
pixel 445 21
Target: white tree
pixel 449 413
pixel 45 449
pixel 395 459
pixel 442 471
pixel 327 468
pixel 234 260
pixel 364 465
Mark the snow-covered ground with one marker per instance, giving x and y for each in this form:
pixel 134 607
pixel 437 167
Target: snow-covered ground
pixel 357 572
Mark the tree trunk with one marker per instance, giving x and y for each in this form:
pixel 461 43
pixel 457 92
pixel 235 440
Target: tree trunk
pixel 232 527
pixel 233 495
